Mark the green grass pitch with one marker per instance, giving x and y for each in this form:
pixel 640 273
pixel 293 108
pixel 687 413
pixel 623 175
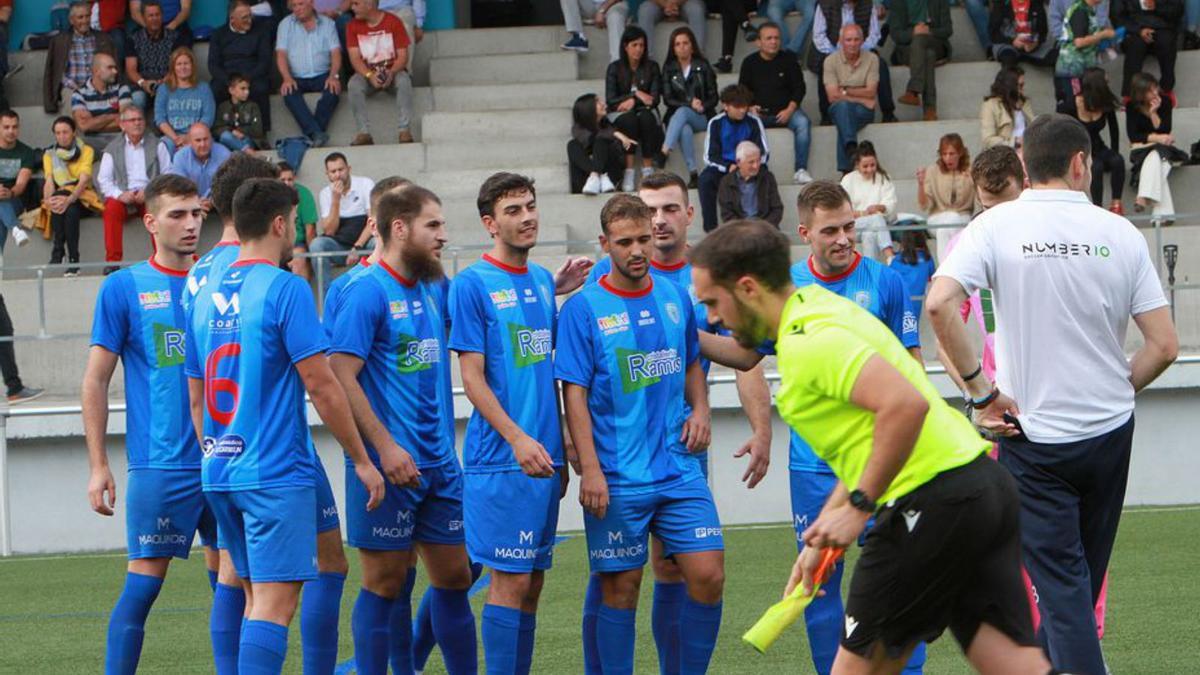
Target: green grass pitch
pixel 53 611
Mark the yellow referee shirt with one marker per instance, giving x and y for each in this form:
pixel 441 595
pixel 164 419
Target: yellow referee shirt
pixel 824 341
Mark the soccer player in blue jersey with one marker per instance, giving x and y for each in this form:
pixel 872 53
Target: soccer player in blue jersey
pixel 629 359
pixel 390 353
pixel 138 320
pixel 251 355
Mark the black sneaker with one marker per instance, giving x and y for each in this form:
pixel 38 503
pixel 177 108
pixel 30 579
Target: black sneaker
pixel 694 181
pixel 889 117
pixel 1191 41
pixel 750 30
pixel 26 394
pixel 724 64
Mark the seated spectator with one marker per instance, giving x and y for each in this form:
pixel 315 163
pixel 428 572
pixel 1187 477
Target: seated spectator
pixel 17 391
pixel 650 12
pixel 309 58
pixel 725 131
pixel 922 32
pixel 1057 18
pixel 306 220
pixel 1020 32
pixel 596 150
pixel 127 165
pixel 1151 27
pixel 1152 146
pixel 174 12
pixel 831 20
pixel 915 266
pixel 607 14
pixel 1079 50
pixel 980 16
pixel 109 17
pixel 851 78
pixel 945 190
pixel 1096 107
pixel 378 47
pixel 199 162
pixel 777 84
pixel 68 168
pixel 342 209
pixel 750 191
pixel 632 89
pixel 412 14
pixel 690 92
pixel 17 164
pixel 6 9
pixel 1005 112
pixel 97 105
pixel 69 57
pixel 735 14
pixel 239 124
pixel 873 196
pixel 149 55
pixel 242 46
pixel 181 101
pixel 778 9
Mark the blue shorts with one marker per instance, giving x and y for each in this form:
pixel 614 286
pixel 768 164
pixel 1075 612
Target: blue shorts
pixel 511 520
pixel 810 491
pixel 683 517
pixel 327 511
pixel 270 534
pixel 432 513
pixel 164 508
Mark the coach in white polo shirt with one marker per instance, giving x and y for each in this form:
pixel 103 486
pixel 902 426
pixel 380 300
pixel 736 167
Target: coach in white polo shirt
pixel 1066 276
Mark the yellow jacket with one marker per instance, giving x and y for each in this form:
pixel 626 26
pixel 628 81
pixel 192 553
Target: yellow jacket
pixel 996 123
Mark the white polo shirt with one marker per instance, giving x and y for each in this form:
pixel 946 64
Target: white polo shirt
pixel 1066 276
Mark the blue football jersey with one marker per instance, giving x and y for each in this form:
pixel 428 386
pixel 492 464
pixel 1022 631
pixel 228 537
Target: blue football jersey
pixel 508 314
pixel 333 295
pixel 247 331
pixel 398 328
pixel 875 288
pixel 138 317
pixel 210 267
pixel 631 351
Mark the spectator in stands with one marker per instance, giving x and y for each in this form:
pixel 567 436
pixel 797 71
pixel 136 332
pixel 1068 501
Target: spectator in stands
pixel 149 55
pixel 181 101
pixel 242 46
pixel 1152 145
pixel 412 14
pixel 851 77
pixel 945 190
pixel 873 196
pixel 17 391
pixel 832 17
pixel 596 150
pixel 650 12
pixel 199 161
pixel 690 92
pixel 309 58
pixel 608 14
pixel 1058 16
pixel 734 15
pixel 69 58
pixel 915 266
pixel 778 9
pixel 1020 32
pixel 175 14
pixel 725 132
pixel 68 168
pixel 97 105
pixel 1080 49
pixel 1006 112
pixel 921 29
pixel 108 16
pixel 633 86
pixel 127 165
pixel 17 164
pixel 777 83
pixel 378 46
pixel 239 124
pixel 6 9
pixel 342 209
pixel 306 220
pixel 750 191
pixel 1096 107
pixel 1151 27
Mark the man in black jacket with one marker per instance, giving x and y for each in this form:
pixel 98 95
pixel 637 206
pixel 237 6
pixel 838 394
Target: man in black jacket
pixel 1153 30
pixel 242 46
pixel 751 191
pixel 774 75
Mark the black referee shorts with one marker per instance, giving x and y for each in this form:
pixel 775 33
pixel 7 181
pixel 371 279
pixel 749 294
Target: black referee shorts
pixel 947 554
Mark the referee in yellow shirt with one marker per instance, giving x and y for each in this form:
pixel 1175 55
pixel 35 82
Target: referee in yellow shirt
pixel 944 550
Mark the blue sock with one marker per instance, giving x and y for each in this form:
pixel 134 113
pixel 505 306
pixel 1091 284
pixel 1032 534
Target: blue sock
pixel 263 648
pixel 591 607
pixel 319 608
pixel 423 640
pixel 916 662
pixel 664 621
pixel 823 619
pixel 454 628
pixel 126 624
pixel 225 627
pixel 525 643
pixel 212 580
pixel 370 625
pixel 501 633
pixel 698 641
pixel 400 629
pixel 616 633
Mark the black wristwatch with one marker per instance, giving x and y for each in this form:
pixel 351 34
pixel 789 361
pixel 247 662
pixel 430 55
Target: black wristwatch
pixel 860 501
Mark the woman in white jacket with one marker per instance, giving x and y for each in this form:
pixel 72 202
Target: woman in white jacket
pixel 873 196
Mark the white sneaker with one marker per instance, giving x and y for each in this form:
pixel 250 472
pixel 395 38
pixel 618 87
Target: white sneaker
pixel 646 171
pixel 627 182
pixel 802 177
pixel 606 184
pixel 592 186
pixel 19 236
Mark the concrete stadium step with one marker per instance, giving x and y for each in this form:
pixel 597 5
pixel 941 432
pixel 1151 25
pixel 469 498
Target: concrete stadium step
pixel 553 123
pixel 495 41
pixel 513 68
pixel 499 154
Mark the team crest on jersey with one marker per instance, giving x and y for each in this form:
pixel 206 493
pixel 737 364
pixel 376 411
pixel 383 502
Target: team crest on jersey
pixel 168 345
pixel 155 299
pixel 910 322
pixel 547 296
pixel 863 298
pixel 673 312
pixel 529 345
pixel 416 354
pixel 504 298
pixel 641 369
pixel 613 323
pixel 399 309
